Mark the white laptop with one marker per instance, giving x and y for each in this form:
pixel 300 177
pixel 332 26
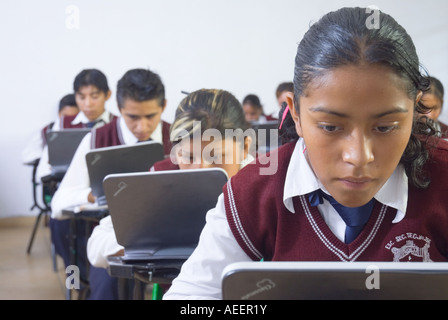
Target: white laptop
pixel 139 157
pixel 62 146
pixel 160 215
pixel 335 281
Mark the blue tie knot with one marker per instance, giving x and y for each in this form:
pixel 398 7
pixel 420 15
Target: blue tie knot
pixel 90 124
pixel 354 218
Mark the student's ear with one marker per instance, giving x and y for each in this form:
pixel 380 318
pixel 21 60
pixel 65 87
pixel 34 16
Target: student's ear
pixel 164 105
pixel 294 114
pixel 108 95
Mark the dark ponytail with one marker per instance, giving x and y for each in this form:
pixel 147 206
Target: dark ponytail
pixel 287 130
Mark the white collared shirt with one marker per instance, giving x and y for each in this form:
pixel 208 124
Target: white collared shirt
pixel 130 139
pixel 394 193
pixel 75 186
pixel 200 276
pixel 82 118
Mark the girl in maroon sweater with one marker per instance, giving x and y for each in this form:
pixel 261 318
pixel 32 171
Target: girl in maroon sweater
pixel 361 178
pixel 202 111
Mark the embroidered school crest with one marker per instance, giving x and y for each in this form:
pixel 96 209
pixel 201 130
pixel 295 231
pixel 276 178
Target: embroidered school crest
pixel 410 247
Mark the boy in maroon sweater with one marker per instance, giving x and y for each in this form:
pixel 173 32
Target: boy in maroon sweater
pixel 141 101
pixel 361 179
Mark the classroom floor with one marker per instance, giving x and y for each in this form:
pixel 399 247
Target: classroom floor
pixel 31 276
pixel 28 276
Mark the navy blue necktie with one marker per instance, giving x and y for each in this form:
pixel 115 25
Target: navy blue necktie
pixel 91 124
pixel 354 218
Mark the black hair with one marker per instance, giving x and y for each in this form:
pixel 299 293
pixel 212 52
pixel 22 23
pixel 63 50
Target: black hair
pixel 67 100
pixel 341 38
pixel 284 86
pixel 91 77
pixel 436 88
pixel 140 85
pixel 253 100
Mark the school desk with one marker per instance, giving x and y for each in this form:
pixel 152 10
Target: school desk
pixel 155 272
pixel 91 218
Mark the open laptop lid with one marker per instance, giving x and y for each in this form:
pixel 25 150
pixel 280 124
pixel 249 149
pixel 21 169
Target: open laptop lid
pixel 139 157
pixel 160 215
pixel 62 146
pixel 335 280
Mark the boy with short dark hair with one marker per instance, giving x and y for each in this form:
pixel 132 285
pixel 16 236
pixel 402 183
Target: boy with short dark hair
pixel 141 101
pixel 91 93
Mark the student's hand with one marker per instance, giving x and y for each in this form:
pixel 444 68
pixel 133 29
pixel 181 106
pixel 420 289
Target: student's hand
pixel 119 253
pixel 91 198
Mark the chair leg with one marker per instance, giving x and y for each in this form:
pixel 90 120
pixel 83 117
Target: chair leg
pixel 53 257
pixel 68 294
pixel 33 234
pixel 84 293
pixel 157 292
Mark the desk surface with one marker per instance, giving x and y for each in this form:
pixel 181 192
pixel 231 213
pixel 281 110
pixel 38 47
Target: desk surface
pixel 157 271
pixel 95 213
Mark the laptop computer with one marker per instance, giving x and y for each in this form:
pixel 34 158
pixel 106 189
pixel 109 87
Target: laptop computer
pixel 62 146
pixel 267 136
pixel 160 215
pixel 335 281
pixel 120 159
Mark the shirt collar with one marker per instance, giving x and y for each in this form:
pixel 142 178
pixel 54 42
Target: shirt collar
pixel 246 161
pixel 394 193
pixel 261 119
pixel 130 139
pixel 82 118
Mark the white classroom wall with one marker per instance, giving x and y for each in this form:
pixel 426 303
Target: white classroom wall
pixel 243 46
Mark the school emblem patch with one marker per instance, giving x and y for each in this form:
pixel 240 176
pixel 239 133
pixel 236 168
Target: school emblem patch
pixel 410 247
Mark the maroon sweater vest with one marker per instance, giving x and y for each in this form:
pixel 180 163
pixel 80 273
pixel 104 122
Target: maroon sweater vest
pixel 109 135
pixel 66 123
pixel 165 164
pixel 44 132
pixel 264 228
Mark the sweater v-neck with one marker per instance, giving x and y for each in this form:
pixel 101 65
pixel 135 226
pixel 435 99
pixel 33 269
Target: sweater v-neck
pixel 345 251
